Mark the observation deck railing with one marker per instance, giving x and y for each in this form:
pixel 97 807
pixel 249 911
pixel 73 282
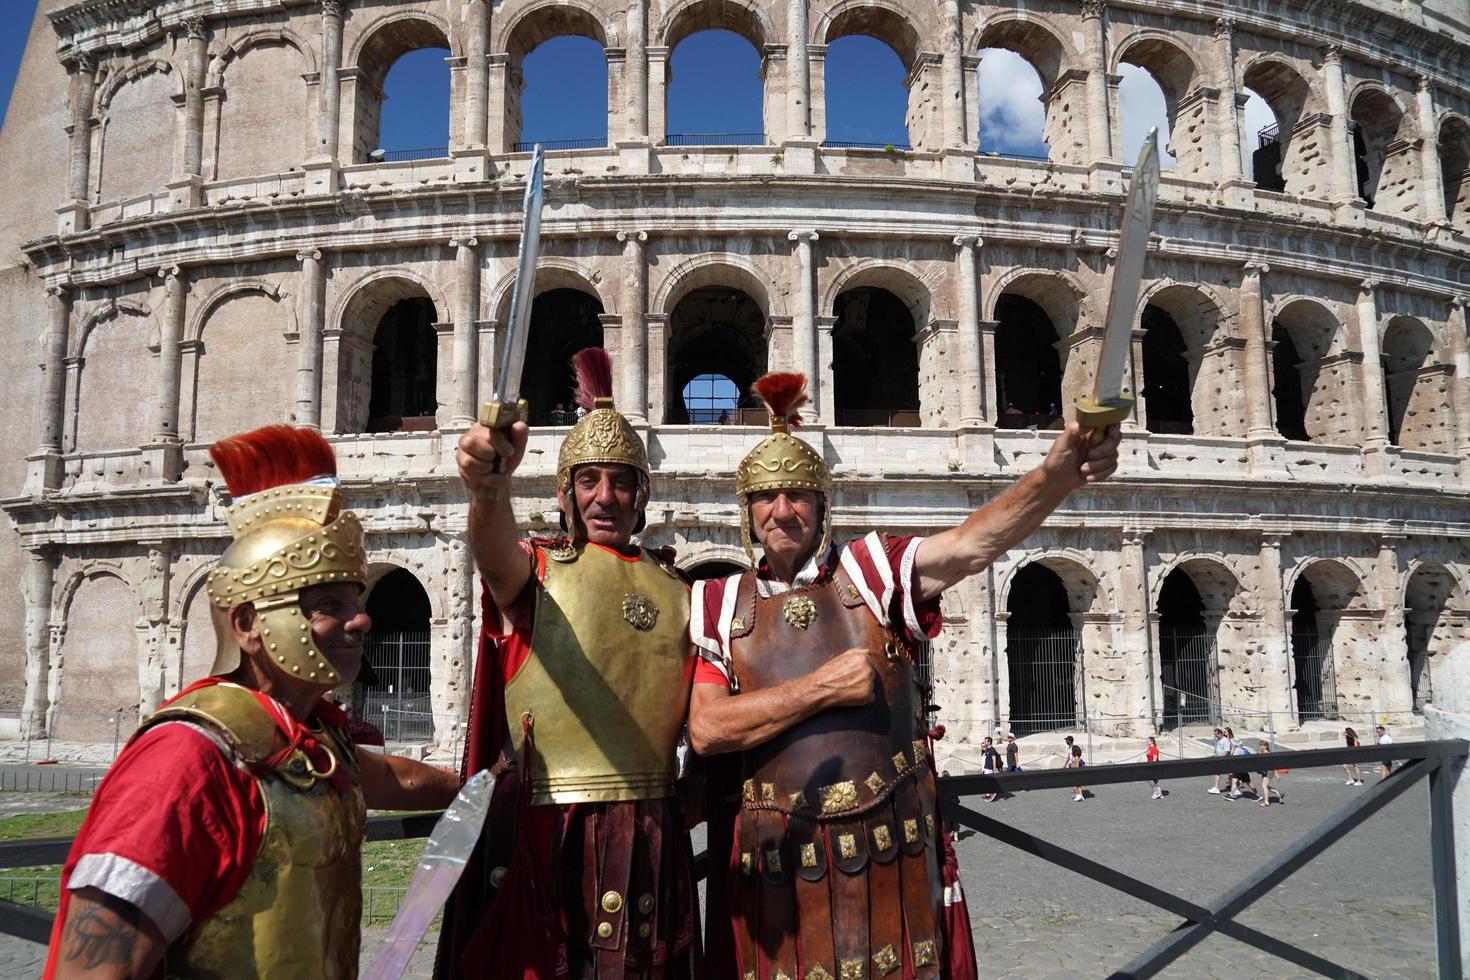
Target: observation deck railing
pixel 715 139
pixel 584 143
pixel 1419 761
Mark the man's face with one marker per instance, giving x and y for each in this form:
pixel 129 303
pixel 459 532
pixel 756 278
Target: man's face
pixel 338 624
pixel 786 522
pixel 605 495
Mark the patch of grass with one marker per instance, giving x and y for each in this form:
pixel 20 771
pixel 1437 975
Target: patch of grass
pixel 390 863
pixel 28 826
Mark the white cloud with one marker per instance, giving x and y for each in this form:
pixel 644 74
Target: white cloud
pixel 1141 108
pixel 1258 116
pixel 1011 113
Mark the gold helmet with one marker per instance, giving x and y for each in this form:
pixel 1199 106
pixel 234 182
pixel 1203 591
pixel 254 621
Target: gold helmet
pixel 603 435
pixel 290 533
pixel 781 461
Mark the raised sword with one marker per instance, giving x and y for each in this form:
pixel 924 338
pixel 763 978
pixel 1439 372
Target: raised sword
pixel 506 405
pixel 1108 404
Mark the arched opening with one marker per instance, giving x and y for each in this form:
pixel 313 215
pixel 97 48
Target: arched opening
pixel 1314 673
pixel 1043 653
pixel 394 694
pixel 115 363
pixel 1454 167
pixel 1142 106
pixel 1012 107
pixel 1416 389
pixel 261 85
pixel 563 321
pixel 1188 664
pixel 711 399
pixel 875 361
pixel 404 369
pixel 98 699
pixel 1166 374
pixel 713 569
pixel 246 328
pixel 1376 120
pixel 561 99
pixel 196 647
pixel 715 330
pixel 401 93
pixel 1430 623
pixel 867 101
pixel 1281 158
pixel 715 91
pixel 136 152
pixel 1310 381
pixel 1028 370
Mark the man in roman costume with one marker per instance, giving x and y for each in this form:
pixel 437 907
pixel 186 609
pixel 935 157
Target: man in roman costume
pixel 838 862
pixel 581 692
pixel 226 840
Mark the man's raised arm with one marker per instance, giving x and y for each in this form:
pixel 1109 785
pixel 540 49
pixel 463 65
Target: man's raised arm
pixel 1076 459
pixel 494 539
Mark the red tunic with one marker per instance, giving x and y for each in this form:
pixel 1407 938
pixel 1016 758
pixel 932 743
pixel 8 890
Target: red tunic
pixel 528 899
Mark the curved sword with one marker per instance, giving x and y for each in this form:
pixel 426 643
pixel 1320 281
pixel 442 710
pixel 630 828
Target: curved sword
pixel 1108 404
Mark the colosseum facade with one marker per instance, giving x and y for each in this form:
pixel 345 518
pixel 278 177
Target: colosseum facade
pixel 199 238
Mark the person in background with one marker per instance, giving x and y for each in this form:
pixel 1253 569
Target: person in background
pixel 1013 753
pixel 1268 774
pixel 1351 770
pixel 1074 761
pixel 1222 747
pixel 1151 756
pixel 1385 768
pixel 990 763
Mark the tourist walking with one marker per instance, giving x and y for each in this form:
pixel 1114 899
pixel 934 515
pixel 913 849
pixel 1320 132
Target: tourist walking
pixel 990 764
pixel 1350 769
pixel 1267 775
pixel 1013 753
pixel 1385 768
pixel 1074 761
pixel 1222 747
pixel 1241 779
pixel 1152 756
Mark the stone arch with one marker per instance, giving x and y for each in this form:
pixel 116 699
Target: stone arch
pixel 1454 156
pixel 1191 604
pixel 395 687
pixel 261 78
pixel 119 75
pixel 230 52
pixel 1417 381
pixel 1386 174
pixel 1342 583
pixel 1293 157
pixel 1033 38
pixel 916 291
pixel 1219 585
pixel 94 568
pixel 195 652
pixel 1087 591
pixel 556 272
pixel 1333 635
pixel 368 297
pixel 744 17
pixel 1314 324
pixel 713 269
pixel 1312 372
pixel 385 560
pixel 194 329
pixel 136 141
pixel 1197 307
pixel 1434 621
pixel 888 22
pixel 117 360
pixel 551 18
pixel 241 323
pixel 373 53
pixel 1160 54
pixel 1189 378
pixel 106 311
pixel 1063 305
pixel 351 358
pixel 729 554
pixel 97 659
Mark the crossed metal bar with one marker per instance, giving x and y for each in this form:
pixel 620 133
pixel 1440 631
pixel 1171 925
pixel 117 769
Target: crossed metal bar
pixel 1426 759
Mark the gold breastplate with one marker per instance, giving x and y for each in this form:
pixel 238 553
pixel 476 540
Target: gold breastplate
pixel 297 915
pixel 607 680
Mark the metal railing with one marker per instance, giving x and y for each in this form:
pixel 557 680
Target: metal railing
pixel 586 143
pixel 860 145
pixel 1005 155
pixel 415 153
pixel 1419 761
pixel 715 139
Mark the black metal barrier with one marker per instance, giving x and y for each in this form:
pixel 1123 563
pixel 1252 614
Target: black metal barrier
pixel 1418 761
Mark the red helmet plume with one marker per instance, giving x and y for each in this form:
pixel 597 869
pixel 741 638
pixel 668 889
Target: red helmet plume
pixel 783 392
pixel 272 457
pixel 594 375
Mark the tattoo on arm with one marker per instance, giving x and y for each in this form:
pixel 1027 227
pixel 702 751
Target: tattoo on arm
pixel 101 933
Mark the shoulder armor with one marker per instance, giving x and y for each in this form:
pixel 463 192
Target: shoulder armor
pixel 230 710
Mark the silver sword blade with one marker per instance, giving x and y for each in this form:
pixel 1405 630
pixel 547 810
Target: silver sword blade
pixel 1138 220
pixel 513 354
pixel 449 848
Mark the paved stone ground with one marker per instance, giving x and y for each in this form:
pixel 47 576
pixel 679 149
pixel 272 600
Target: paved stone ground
pixel 1366 903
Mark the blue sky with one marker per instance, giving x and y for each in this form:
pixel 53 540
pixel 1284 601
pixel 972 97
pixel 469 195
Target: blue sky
pixel 716 88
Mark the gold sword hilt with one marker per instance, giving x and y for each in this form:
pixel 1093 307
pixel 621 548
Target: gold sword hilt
pixel 1093 415
pixel 501 415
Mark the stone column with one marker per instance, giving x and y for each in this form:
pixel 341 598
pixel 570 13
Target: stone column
pixel 1434 209
pixel 1232 153
pixel 1094 31
pixel 37 586
pixel 656 330
pixel 972 363
pixel 196 53
pixel 798 72
pixel 152 627
pixel 1344 170
pixel 466 337
pixel 75 215
pixel 635 326
pixel 329 118
pixel 1257 334
pixel 658 90
pixel 1390 648
pixel 477 76
pixel 955 94
pixel 499 87
pixel 1273 651
pixel 989 376
pixel 1136 700
pixel 53 383
pixel 804 328
pixel 313 322
pixel 1460 390
pixel 166 429
pixel 635 72
pixel 1375 403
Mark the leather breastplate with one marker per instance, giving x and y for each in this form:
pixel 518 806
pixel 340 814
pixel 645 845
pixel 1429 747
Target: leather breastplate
pixel 297 915
pixel 841 761
pixel 608 678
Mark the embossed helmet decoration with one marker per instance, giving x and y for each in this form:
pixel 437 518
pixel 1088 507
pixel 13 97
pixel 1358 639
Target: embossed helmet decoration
pixel 290 533
pixel 603 435
pixel 781 461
